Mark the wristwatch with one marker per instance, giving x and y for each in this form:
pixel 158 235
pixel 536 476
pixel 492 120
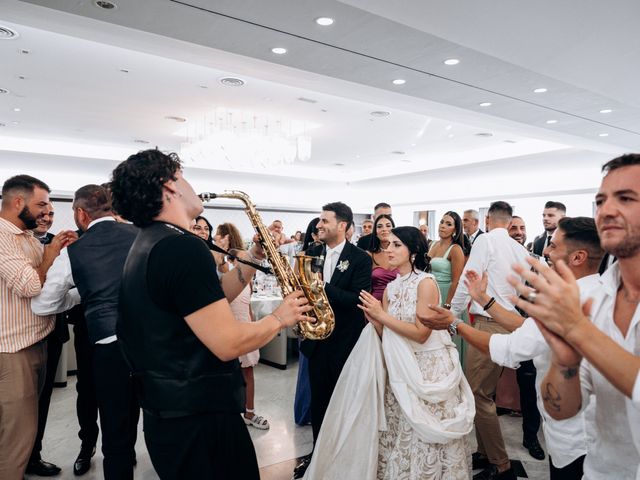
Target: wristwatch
pixel 453 326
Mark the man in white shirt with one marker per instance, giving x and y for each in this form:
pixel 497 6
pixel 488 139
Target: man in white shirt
pixel 575 242
pixel 598 358
pixel 494 253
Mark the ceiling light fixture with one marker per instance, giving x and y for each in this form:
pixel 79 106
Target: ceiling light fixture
pixel 450 135
pixel 124 70
pixel 105 5
pixel 139 140
pixel 17 109
pixel 338 164
pixel 380 113
pixel 398 152
pixel 540 90
pixel 3 90
pixel 324 21
pixel 307 100
pixel 231 82
pixel 485 104
pixel 603 134
pixel 399 81
pixel 606 110
pixel 24 51
pixel 484 134
pixel 551 122
pixel 175 119
pixel 279 50
pixel 7 33
pixel 451 61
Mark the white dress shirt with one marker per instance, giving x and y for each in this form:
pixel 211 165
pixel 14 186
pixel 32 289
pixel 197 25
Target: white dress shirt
pixel 473 236
pixel 58 292
pixel 615 426
pixel 566 440
pixel 331 257
pixel 493 252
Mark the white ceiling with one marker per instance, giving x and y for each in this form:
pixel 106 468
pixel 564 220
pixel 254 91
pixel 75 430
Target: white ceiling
pixel 75 95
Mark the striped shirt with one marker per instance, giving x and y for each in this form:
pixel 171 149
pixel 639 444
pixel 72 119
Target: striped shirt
pixel 20 254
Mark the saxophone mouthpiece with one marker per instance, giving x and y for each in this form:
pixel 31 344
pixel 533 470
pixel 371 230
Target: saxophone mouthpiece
pixel 206 196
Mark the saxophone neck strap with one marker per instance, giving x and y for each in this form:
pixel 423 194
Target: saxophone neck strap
pixel 232 256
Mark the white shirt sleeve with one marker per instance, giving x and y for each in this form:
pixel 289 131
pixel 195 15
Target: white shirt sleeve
pixel 58 293
pixel 524 343
pixel 477 262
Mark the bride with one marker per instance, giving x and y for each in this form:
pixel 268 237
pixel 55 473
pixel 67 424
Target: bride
pixel 402 407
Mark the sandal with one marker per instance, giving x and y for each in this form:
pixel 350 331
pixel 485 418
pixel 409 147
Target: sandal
pixel 257 421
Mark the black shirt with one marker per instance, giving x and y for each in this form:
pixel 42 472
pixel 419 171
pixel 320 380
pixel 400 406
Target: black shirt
pixel 182 275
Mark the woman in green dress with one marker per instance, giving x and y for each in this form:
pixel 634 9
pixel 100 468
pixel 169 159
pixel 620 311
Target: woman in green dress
pixel 447 262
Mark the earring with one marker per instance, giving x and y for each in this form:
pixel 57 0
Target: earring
pixel 413 257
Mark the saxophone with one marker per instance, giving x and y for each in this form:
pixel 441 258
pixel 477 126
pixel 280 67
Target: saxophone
pixel 307 280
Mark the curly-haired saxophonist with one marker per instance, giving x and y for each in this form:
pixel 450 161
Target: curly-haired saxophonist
pixel 177 330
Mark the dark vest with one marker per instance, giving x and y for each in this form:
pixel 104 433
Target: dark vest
pixel 97 260
pixel 174 373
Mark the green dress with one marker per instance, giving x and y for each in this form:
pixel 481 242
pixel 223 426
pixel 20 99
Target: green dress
pixel 441 269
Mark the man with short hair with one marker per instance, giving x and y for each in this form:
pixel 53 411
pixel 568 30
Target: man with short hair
pixel 367 227
pixel 575 242
pixel 94 265
pixel 23 267
pixel 493 253
pixel 381 208
pixel 518 230
pixel 277 230
pixel 346 271
pixel 598 356
pixel 553 211
pixel 471 225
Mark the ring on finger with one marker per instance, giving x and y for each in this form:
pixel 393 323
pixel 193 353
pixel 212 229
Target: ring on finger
pixel 532 295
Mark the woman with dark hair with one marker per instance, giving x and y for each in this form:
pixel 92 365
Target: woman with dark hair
pixel 311 235
pixel 382 272
pixel 447 262
pixel 203 229
pixel 412 404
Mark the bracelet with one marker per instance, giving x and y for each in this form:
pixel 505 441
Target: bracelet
pixel 447 306
pixel 280 321
pixel 489 304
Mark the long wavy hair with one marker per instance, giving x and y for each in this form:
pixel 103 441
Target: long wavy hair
pixel 374 244
pixel 416 243
pixel 209 240
pixel 458 234
pixel 235 239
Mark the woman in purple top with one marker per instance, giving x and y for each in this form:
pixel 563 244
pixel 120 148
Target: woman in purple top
pixel 382 272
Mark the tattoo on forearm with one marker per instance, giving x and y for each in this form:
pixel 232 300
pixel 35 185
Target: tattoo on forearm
pixel 241 277
pixel 568 373
pixel 552 397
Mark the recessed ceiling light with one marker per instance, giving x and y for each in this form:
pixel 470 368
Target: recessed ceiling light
pixel 124 70
pixel 550 122
pixel 3 90
pixel 484 134
pixel 603 134
pixel 510 141
pixel 307 100
pixel 448 127
pixel 279 50
pixel 380 113
pixel 540 90
pixel 231 81
pixel 485 104
pixel 413 144
pixel 606 110
pixel 21 77
pixel 324 110
pixel 17 109
pixel 406 160
pixel 139 140
pixel 105 5
pixel 7 33
pixel 451 61
pixel 324 21
pixel 175 119
pixel 15 123
pixel 398 152
pixel 399 81
pixel 450 135
pixel 203 87
pixel 24 51
pixel 338 164
pixel 357 156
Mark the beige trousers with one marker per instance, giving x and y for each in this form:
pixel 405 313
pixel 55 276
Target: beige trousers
pixel 482 375
pixel 21 379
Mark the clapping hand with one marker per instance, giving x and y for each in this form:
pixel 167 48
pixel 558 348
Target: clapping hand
pixel 477 286
pixel 371 307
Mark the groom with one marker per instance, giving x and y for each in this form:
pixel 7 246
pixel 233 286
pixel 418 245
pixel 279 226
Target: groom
pixel 346 271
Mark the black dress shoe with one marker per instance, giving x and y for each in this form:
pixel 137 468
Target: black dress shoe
pixel 42 468
pixel 301 468
pixel 479 461
pixel 535 450
pixel 83 462
pixel 492 473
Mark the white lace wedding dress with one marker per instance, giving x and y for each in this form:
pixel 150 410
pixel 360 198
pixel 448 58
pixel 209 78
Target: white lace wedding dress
pixel 400 410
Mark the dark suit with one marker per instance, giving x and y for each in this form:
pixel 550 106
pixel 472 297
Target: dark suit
pixel 539 243
pixel 327 357
pixel 364 242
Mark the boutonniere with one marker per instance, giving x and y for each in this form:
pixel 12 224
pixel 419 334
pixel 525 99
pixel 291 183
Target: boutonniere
pixel 343 265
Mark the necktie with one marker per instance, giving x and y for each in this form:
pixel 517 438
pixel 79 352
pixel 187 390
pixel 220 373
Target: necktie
pixel 546 243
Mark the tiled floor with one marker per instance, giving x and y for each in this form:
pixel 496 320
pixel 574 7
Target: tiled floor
pixel 276 448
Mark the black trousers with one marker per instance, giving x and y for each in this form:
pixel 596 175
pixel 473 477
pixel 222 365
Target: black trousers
pixel 573 471
pixel 324 372
pixel 526 376
pixel 54 349
pixel 119 410
pixel 205 446
pixel 86 401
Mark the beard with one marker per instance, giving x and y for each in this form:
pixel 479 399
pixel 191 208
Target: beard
pixel 28 219
pixel 627 248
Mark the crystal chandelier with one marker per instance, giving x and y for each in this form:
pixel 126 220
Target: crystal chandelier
pixel 237 140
